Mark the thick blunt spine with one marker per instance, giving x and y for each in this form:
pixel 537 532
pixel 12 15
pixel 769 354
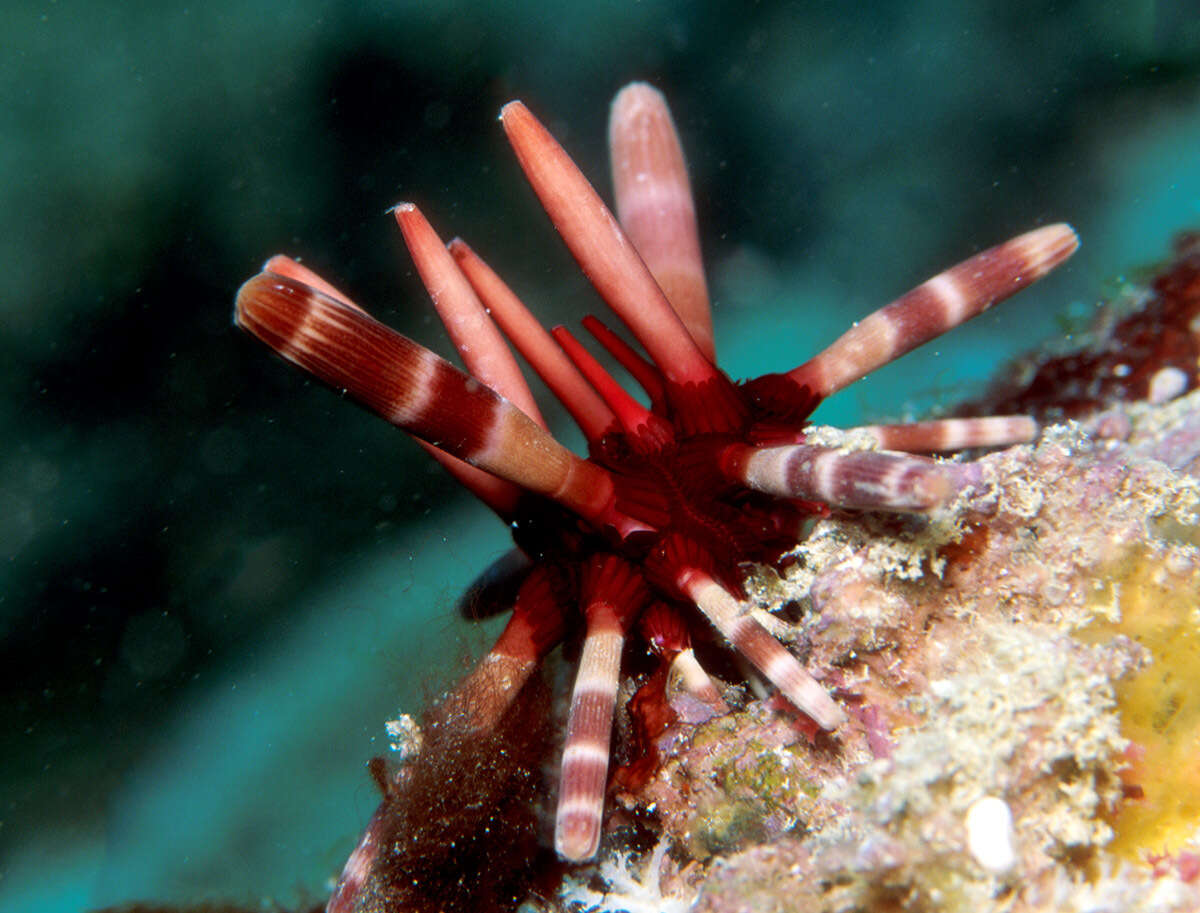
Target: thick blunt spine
pixel 416 390
pixel 536 625
pixel 585 755
pixel 612 264
pixel 667 635
pixel 654 204
pixel 678 564
pixel 863 479
pixel 937 305
pixel 945 434
pixel 765 653
pixel 476 338
pixel 612 592
pixel 499 495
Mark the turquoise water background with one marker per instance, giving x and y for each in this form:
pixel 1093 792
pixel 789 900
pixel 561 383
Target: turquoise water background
pixel 220 579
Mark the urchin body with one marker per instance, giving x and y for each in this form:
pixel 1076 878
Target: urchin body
pixel 674 498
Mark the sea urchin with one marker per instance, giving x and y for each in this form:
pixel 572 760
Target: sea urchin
pixel 674 498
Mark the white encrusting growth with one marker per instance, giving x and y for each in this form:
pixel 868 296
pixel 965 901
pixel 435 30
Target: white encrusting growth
pixel 628 889
pixel 990 835
pixel 1166 384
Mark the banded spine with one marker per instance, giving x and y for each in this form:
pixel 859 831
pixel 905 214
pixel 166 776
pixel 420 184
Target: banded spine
pixel 859 479
pixel 939 304
pixel 421 393
pixel 679 564
pixel 612 264
pixel 938 435
pixel 654 204
pixel 667 635
pixel 536 625
pixel 612 592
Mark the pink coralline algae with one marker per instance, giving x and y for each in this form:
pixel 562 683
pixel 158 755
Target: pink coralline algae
pixel 1145 348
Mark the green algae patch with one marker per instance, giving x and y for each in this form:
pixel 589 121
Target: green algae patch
pixel 1153 598
pixel 748 785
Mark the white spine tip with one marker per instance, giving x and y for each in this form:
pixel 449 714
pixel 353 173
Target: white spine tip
pixel 990 836
pixel 637 93
pixel 1058 235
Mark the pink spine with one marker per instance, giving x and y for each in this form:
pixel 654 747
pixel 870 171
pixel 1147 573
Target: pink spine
pixel 679 564
pixel 612 592
pixel 476 338
pixel 954 433
pixel 654 204
pixel 937 305
pixel 863 479
pixel 416 390
pixel 613 266
pixel 535 344
pixel 282 265
pixel 650 430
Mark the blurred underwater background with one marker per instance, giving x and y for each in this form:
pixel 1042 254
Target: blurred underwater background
pixel 220 579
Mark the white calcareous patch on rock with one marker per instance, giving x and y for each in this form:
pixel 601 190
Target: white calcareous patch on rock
pixel 990 836
pixel 1166 384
